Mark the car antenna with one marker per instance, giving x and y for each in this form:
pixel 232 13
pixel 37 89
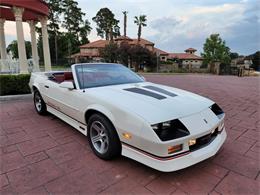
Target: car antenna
pixel 82 78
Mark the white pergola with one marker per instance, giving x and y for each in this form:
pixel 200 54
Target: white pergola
pixel 18 13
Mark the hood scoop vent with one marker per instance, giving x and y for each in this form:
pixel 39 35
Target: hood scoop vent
pixel 145 92
pixel 160 90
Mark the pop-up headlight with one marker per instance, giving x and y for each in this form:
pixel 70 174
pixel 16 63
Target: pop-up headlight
pixel 170 130
pixel 217 110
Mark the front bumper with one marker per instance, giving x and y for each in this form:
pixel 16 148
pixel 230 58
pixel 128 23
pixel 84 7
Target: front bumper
pixel 179 161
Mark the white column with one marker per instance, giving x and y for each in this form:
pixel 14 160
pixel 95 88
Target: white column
pixel 34 45
pixel 45 40
pixel 2 39
pixel 18 13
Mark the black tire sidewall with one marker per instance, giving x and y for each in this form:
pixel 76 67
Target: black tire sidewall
pixel 43 110
pixel 114 146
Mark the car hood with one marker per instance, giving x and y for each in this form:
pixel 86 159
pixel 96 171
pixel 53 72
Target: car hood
pixel 158 106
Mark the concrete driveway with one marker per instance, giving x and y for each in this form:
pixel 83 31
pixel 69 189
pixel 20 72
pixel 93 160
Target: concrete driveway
pixel 43 155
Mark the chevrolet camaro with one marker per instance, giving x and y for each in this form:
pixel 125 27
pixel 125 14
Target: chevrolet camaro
pixel 121 114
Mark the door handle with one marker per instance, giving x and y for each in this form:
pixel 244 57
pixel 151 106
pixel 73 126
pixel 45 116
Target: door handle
pixel 46 86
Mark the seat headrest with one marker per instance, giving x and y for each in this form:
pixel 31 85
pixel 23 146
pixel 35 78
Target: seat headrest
pixel 68 76
pixel 59 78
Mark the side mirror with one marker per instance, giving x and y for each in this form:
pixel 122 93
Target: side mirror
pixel 67 84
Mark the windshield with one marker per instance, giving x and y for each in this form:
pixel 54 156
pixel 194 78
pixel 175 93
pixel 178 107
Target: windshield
pixel 97 75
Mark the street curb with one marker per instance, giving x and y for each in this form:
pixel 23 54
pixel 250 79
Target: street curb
pixel 15 97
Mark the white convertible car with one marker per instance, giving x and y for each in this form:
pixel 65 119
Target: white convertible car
pixel 162 127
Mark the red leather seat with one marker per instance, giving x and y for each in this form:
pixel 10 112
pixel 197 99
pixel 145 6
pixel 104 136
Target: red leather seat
pixel 59 78
pixel 68 76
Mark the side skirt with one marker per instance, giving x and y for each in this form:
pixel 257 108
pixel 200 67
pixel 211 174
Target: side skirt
pixel 77 125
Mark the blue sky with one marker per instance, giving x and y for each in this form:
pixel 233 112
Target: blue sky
pixel 174 25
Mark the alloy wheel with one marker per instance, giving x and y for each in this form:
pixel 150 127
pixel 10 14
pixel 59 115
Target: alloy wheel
pixel 99 137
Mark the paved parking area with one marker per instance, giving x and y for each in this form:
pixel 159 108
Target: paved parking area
pixel 43 155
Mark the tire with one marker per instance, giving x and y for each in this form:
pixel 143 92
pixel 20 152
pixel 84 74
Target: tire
pixel 103 138
pixel 39 104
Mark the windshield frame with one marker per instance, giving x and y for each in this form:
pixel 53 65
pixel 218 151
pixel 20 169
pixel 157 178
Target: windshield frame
pixel 79 84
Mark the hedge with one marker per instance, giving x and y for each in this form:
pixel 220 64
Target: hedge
pixel 14 84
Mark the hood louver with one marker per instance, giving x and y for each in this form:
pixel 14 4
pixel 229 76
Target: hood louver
pixel 145 92
pixel 160 90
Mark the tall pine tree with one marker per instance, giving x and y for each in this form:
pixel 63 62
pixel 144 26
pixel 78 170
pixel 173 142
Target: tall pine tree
pixel 66 14
pixel 107 25
pixel 76 27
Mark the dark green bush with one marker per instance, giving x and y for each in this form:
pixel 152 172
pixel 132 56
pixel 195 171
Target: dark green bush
pixel 14 84
pixel 166 62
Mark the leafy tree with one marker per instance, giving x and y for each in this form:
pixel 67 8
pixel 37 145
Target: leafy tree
pixel 256 60
pixel 107 25
pixel 54 19
pixel 140 21
pixel 66 14
pixel 13 47
pixel 72 16
pixel 110 52
pixel 62 42
pixel 77 28
pixel 233 55
pixel 124 53
pixel 215 49
pixel 140 55
pixel 125 21
pixel 54 14
pixel 40 45
pixel 84 32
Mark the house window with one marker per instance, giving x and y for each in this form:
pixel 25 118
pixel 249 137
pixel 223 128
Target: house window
pixel 191 61
pixel 163 58
pixel 187 61
pixel 196 61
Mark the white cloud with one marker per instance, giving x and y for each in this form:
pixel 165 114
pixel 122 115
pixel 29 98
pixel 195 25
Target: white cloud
pixel 174 25
pixel 10 29
pixel 198 22
pixel 216 9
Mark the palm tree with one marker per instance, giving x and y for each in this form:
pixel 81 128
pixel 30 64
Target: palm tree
pixel 140 21
pixel 125 20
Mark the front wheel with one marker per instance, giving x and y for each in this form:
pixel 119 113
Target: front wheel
pixel 103 138
pixel 39 104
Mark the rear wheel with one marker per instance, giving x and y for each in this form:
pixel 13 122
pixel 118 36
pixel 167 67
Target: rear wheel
pixel 103 138
pixel 39 104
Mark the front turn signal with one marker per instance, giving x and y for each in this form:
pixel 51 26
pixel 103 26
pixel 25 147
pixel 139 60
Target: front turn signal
pixel 127 135
pixel 173 149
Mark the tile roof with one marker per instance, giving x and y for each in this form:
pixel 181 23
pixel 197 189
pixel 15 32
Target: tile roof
pixel 102 43
pixel 161 52
pixel 185 56
pixel 142 42
pixel 85 54
pixel 95 44
pixel 191 49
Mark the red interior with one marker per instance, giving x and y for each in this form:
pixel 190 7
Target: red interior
pixel 66 76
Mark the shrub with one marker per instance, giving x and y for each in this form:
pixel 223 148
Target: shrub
pixel 14 84
pixel 166 62
pixel 181 70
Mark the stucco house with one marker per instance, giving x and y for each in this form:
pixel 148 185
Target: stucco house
pixel 188 59
pixel 90 51
pixel 242 61
pixel 162 54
